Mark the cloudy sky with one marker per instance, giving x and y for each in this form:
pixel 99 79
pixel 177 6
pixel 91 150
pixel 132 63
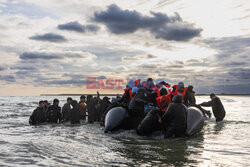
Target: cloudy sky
pixel 51 46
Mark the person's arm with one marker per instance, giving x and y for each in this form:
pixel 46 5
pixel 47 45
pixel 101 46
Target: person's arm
pixel 186 99
pixel 98 96
pixel 207 104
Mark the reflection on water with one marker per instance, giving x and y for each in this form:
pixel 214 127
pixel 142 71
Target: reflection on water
pixel 219 144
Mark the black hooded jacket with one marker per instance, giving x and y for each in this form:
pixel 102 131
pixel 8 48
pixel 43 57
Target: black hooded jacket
pixel 175 118
pixel 90 108
pixel 74 113
pixel 189 98
pixel 38 116
pixel 217 107
pixel 136 105
pixel 66 112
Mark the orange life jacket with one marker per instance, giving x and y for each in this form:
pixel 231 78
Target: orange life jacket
pixel 144 83
pixel 158 93
pixel 128 90
pixel 137 82
pixel 158 90
pixel 168 86
pixel 158 100
pixel 155 89
pixel 181 93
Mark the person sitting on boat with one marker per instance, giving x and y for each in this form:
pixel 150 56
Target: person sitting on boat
pixel 175 118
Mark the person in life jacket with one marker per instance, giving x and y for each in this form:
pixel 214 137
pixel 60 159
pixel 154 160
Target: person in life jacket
pixel 180 90
pixel 135 109
pixel 125 99
pixel 164 100
pixel 128 89
pixel 137 82
pixel 159 89
pixel 121 102
pixel 190 100
pixel 151 86
pixel 163 83
pixel 151 91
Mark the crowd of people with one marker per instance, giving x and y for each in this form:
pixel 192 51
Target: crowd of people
pixel 170 103
pixel 72 111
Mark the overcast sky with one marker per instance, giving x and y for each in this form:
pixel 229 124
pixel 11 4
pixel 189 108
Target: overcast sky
pixel 51 46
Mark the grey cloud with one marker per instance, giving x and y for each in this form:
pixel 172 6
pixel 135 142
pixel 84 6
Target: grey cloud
pixel 174 66
pixel 110 57
pixel 178 62
pixel 232 57
pixel 92 28
pixel 101 77
pixel 226 89
pixel 77 27
pixel 66 82
pixel 2 68
pixel 120 21
pixel 240 73
pixel 72 26
pixel 150 56
pixel 235 63
pixel 138 57
pixel 230 46
pixel 28 68
pixel 8 78
pixel 148 66
pixel 126 58
pixel 138 75
pixel 22 73
pixel 49 56
pixel 198 63
pixel 177 32
pixel 50 37
pixel 73 76
pixel 37 55
pixel 193 61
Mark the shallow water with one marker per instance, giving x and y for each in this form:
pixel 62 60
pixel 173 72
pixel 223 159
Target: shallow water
pixel 223 144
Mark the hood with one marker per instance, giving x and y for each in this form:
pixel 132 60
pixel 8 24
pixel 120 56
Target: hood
pixel 190 88
pixel 134 90
pixel 177 99
pixel 164 102
pixel 164 87
pixel 180 85
pixel 106 98
pixel 89 97
pixel 74 103
pixel 131 83
pixel 150 84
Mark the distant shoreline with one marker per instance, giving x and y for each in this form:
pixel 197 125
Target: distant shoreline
pixel 120 94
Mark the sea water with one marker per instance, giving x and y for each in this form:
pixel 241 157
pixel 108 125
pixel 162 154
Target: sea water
pixel 219 144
